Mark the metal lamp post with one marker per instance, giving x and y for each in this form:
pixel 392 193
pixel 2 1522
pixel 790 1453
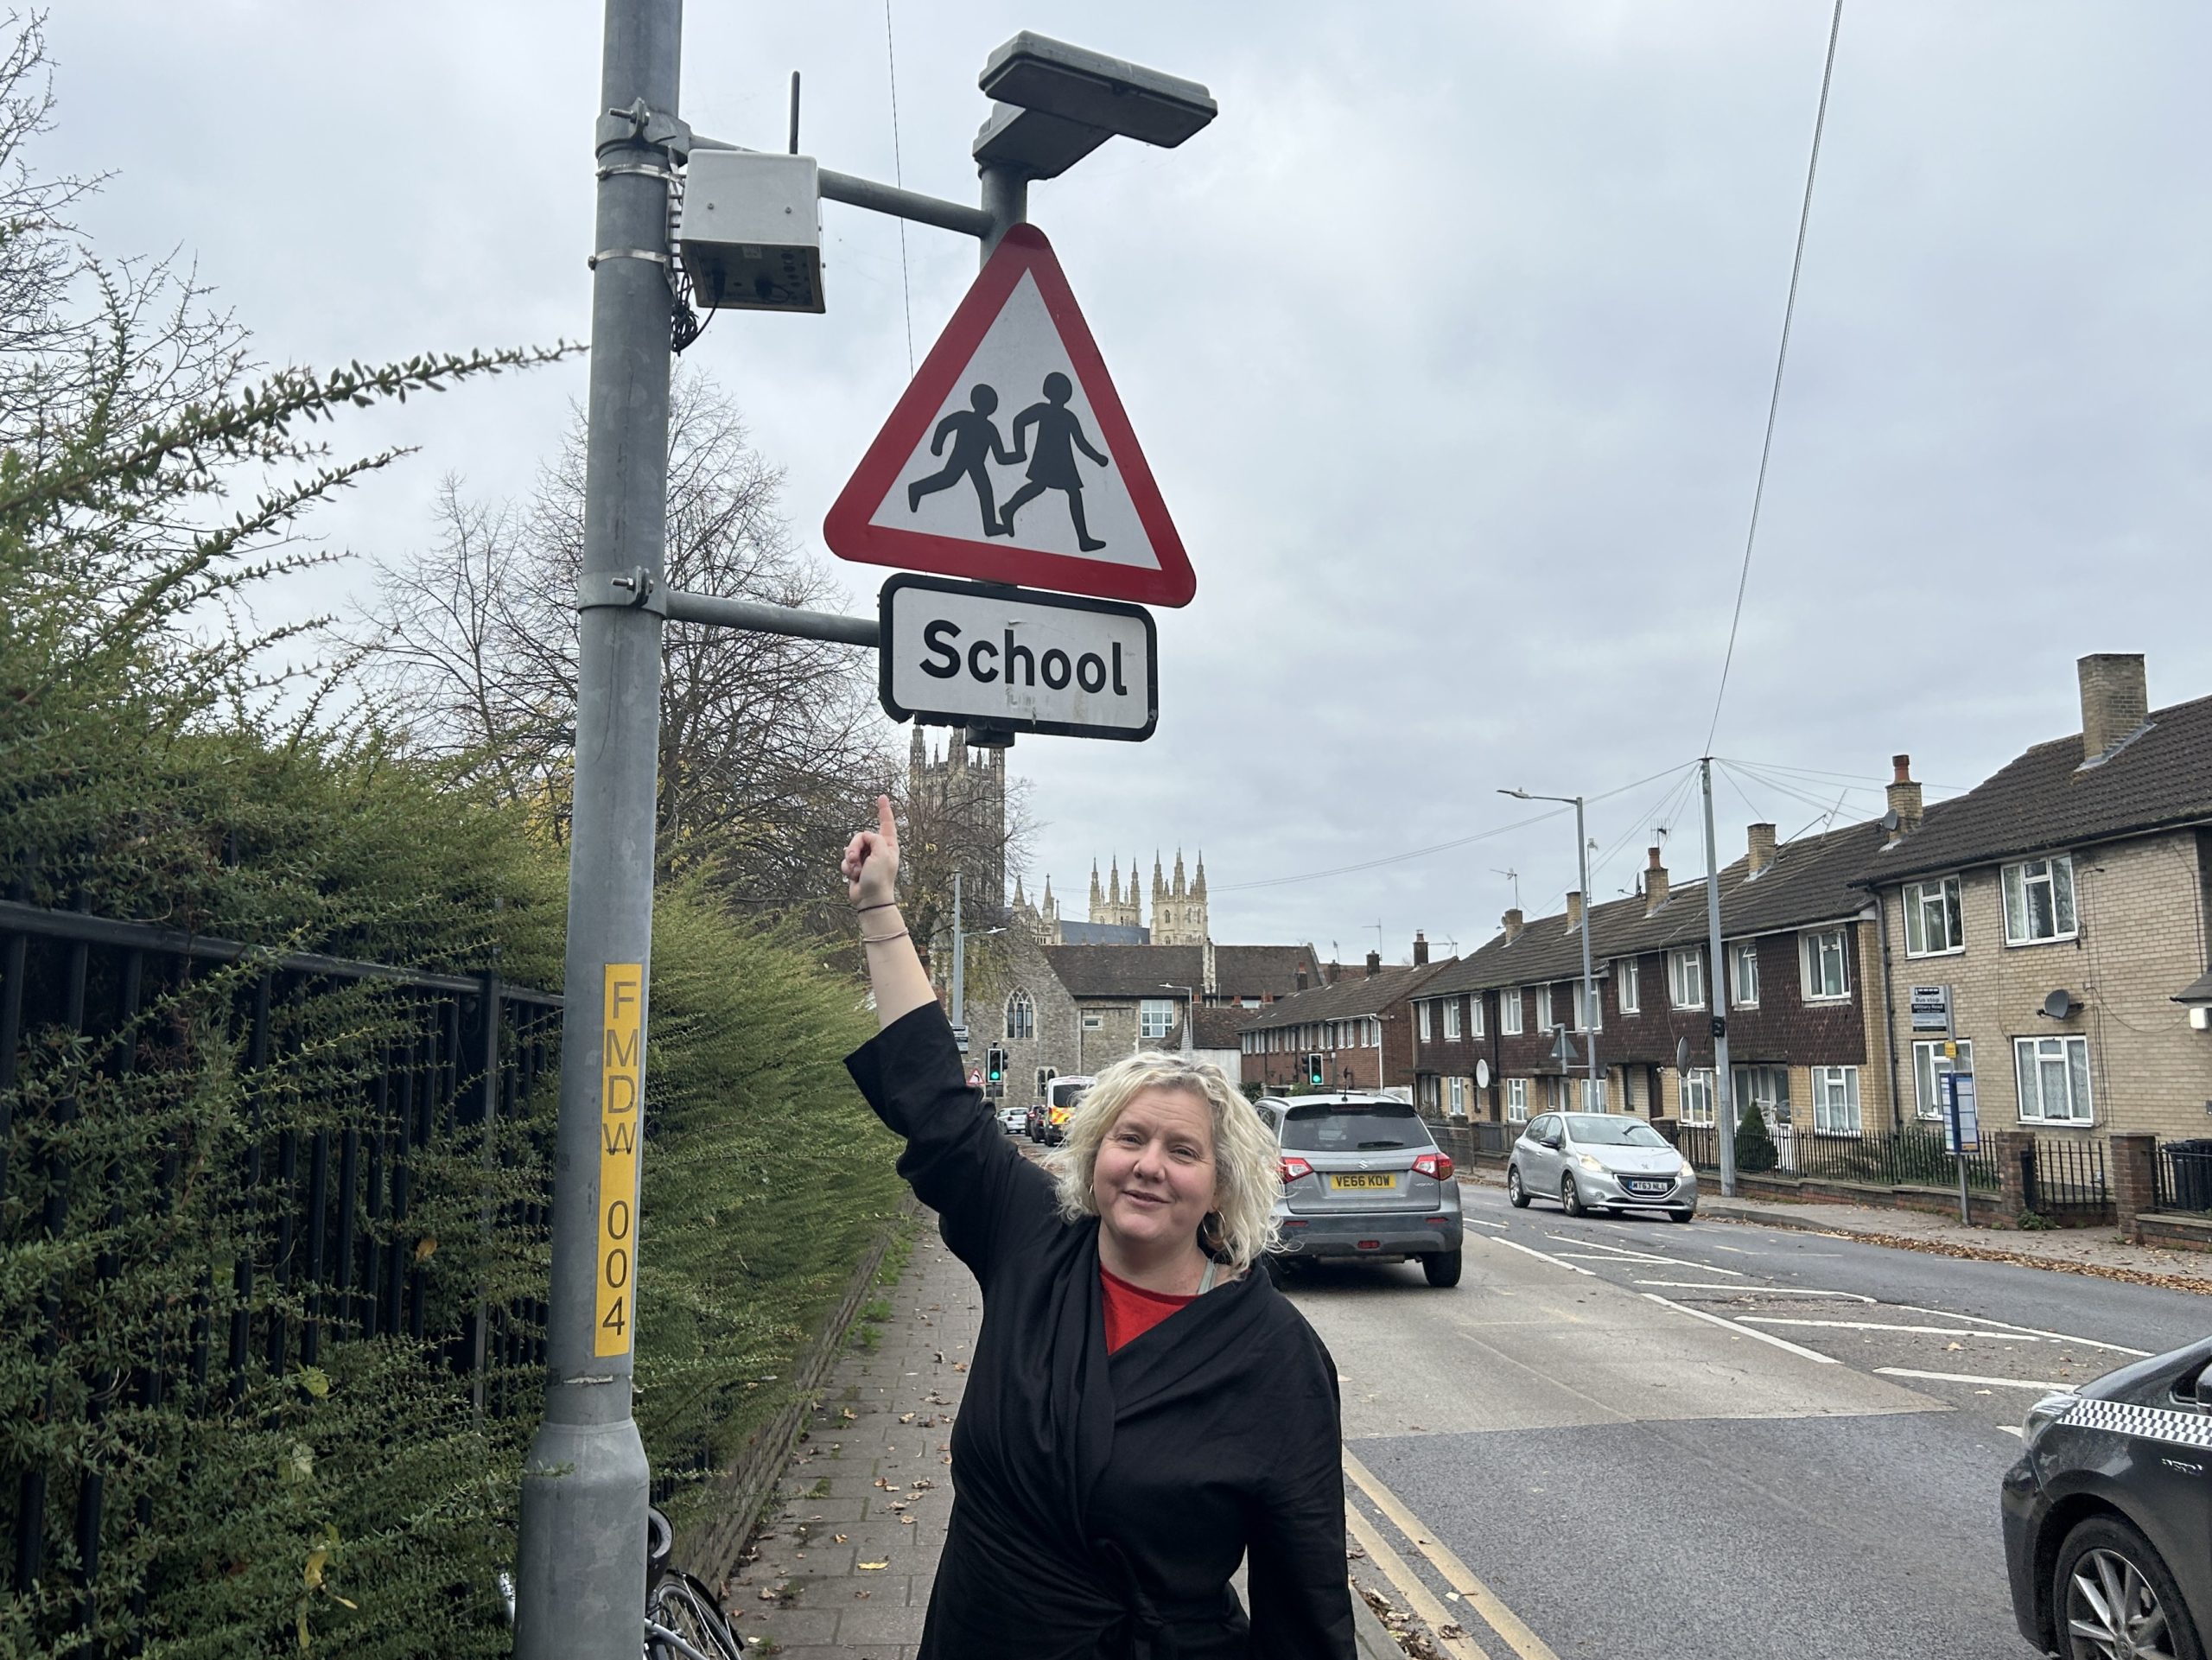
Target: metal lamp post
pixel 1589 979
pixel 580 1558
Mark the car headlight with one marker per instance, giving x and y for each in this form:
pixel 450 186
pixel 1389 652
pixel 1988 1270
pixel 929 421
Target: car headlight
pixel 2045 1413
pixel 1590 1163
pixel 1686 1171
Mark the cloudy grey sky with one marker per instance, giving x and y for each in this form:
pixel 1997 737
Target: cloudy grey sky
pixel 1449 344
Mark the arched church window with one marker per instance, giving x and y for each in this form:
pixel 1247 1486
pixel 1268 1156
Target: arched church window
pixel 1021 1016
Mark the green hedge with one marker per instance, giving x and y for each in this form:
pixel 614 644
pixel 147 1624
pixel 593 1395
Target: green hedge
pixel 358 1507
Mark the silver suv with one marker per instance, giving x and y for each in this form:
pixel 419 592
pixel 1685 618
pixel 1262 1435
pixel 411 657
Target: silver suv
pixel 1362 1178
pixel 1600 1161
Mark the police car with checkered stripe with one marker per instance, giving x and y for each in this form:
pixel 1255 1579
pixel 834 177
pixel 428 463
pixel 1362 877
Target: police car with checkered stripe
pixel 2108 1514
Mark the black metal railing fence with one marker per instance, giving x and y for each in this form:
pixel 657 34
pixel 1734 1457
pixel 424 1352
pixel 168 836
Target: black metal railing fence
pixel 1911 1155
pixel 358 1136
pixel 2182 1176
pixel 2061 1176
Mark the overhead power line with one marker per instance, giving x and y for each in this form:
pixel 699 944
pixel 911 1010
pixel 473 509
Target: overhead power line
pixel 1780 360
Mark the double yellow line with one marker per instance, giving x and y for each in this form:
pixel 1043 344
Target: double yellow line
pixel 1474 1595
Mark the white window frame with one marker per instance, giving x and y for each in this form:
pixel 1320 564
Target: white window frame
pixel 1458 1107
pixel 1628 993
pixel 2016 880
pixel 1682 963
pixel 1930 1063
pixel 1516 1100
pixel 2073 1052
pixel 1451 1021
pixel 1581 1023
pixel 1812 963
pixel 1697 1096
pixel 1766 1085
pixel 1835 1101
pixel 1544 1010
pixel 1744 988
pixel 1474 1014
pixel 1510 1011
pixel 1155 1012
pixel 1420 1020
pixel 1593 1092
pixel 1942 896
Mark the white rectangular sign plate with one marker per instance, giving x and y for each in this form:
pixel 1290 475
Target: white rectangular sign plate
pixel 1931 1008
pixel 969 653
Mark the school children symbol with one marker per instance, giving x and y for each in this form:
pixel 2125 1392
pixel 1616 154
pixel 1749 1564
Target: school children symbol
pixel 1009 458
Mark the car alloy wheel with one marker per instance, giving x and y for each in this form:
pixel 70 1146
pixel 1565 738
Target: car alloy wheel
pixel 1570 1197
pixel 1516 1195
pixel 2116 1600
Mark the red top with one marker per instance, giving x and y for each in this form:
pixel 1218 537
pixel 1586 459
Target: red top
pixel 1131 1311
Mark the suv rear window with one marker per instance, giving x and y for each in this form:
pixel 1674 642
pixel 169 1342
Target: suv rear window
pixel 1353 1127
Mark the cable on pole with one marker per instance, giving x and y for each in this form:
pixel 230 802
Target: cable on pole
pixel 1781 359
pixel 898 178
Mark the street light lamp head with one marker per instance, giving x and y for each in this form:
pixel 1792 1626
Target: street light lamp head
pixel 1057 103
pixel 1518 795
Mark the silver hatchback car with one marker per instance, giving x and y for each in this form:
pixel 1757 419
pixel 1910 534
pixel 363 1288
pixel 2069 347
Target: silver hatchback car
pixel 1600 1162
pixel 1363 1178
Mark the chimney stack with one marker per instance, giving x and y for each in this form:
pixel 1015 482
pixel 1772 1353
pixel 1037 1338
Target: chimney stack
pixel 2116 701
pixel 1905 796
pixel 1654 884
pixel 1301 976
pixel 1511 923
pixel 1574 912
pixel 1759 849
pixel 1374 962
pixel 1421 949
pixel 1334 971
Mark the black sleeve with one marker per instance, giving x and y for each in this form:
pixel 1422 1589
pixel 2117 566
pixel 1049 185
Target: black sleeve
pixel 1300 1597
pixel 957 1159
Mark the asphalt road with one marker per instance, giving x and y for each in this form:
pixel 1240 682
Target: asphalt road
pixel 1628 1437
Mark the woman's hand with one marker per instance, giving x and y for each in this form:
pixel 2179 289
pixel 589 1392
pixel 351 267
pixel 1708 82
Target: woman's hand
pixel 871 862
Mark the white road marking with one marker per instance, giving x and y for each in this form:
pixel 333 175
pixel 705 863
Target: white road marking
pixel 2013 1430
pixel 1542 1257
pixel 2034 1331
pixel 1761 1290
pixel 1484 1601
pixel 1962 1378
pixel 1480 1223
pixel 1877 1326
pixel 1741 1331
pixel 1738 1250
pixel 1647 1256
pixel 1408 1586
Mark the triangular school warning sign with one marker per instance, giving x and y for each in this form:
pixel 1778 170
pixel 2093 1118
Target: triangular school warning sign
pixel 1010 459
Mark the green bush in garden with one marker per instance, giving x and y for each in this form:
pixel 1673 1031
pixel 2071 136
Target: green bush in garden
pixel 1756 1152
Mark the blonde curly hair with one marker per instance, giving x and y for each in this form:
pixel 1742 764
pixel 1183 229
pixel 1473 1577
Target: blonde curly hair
pixel 1247 1164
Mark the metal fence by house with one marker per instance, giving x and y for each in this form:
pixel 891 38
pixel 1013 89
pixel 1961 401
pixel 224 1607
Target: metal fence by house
pixel 1911 1155
pixel 2182 1173
pixel 322 1191
pixel 2060 1176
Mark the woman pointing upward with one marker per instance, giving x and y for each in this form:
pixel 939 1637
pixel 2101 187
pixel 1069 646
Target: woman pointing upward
pixel 1143 1411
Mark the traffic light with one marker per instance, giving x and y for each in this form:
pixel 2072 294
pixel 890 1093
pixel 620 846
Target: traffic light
pixel 1313 1070
pixel 995 1066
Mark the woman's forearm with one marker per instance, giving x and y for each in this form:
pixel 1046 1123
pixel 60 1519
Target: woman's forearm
pixel 895 974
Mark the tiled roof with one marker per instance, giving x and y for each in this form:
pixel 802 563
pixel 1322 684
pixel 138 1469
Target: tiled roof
pixel 2047 799
pixel 1125 971
pixel 1102 934
pixel 1356 994
pixel 1262 971
pixel 2197 991
pixel 1216 1026
pixel 1810 881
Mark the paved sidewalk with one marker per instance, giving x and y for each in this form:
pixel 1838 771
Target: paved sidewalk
pixel 2099 1251
pixel 844 1570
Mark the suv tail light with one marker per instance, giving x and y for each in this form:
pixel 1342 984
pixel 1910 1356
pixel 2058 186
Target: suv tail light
pixel 1294 1167
pixel 1437 1167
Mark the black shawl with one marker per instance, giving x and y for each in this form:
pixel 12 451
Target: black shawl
pixel 1101 1502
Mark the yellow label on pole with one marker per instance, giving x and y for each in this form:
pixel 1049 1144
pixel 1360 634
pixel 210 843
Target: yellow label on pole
pixel 621 1075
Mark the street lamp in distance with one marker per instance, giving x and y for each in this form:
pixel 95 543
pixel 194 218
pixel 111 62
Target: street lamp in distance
pixel 1589 978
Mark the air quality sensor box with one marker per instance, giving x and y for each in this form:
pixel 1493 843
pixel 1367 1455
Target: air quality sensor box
pixel 751 230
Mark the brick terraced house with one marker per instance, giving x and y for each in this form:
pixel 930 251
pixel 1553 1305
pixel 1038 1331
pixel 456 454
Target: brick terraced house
pixel 2062 904
pixel 1357 1024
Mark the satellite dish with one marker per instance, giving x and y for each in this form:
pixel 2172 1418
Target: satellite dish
pixel 1890 820
pixel 1681 1054
pixel 2060 1004
pixel 1482 1074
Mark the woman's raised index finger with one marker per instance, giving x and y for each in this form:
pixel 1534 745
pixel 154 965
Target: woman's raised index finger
pixel 884 822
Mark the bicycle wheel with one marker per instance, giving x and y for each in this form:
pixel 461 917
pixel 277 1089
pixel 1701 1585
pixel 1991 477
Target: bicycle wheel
pixel 685 1622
